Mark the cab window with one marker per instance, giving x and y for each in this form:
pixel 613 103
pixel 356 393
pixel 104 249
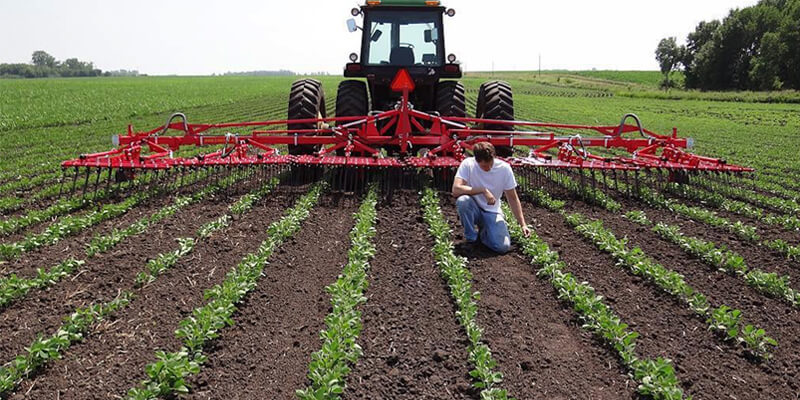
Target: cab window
pixel 403 38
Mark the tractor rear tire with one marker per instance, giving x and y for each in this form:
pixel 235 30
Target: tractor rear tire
pixel 451 99
pixel 496 101
pixel 306 101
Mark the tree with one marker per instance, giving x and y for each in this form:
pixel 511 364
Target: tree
pixel 766 66
pixel 41 58
pixel 701 37
pixel 668 55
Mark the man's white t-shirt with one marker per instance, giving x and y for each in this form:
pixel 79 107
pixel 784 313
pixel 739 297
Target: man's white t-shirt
pixel 499 179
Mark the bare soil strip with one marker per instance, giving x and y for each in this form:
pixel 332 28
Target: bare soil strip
pixel 537 340
pixel 668 329
pixel 113 358
pixel 413 346
pixel 266 354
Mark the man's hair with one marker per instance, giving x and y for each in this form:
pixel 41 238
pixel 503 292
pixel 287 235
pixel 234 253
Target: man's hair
pixel 483 151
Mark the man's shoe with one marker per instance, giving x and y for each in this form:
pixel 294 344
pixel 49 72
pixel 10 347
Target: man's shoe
pixel 469 247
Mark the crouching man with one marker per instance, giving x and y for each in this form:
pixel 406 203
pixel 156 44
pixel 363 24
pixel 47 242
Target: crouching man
pixel 479 184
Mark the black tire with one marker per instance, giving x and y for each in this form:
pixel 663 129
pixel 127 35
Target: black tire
pixel 306 100
pixel 496 101
pixel 351 99
pixel 451 99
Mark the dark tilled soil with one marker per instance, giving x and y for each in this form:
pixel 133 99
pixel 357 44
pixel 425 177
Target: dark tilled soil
pixel 754 255
pixel 100 279
pixel 768 231
pixel 706 367
pixel 113 358
pixel 780 320
pixel 75 246
pixel 413 345
pixel 266 354
pixel 536 339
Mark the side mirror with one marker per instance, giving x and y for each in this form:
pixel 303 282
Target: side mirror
pixel 428 36
pixel 351 25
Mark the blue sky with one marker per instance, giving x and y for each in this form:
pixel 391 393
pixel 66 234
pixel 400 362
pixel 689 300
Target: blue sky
pixel 202 37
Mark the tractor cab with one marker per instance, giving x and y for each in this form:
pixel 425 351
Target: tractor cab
pixel 402 34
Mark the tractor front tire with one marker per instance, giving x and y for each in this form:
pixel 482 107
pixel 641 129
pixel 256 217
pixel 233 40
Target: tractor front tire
pixel 451 99
pixel 351 99
pixel 306 101
pixel 496 101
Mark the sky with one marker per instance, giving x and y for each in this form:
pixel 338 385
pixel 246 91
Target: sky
pixel 202 37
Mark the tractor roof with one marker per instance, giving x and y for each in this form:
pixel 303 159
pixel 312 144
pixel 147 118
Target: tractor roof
pixel 407 3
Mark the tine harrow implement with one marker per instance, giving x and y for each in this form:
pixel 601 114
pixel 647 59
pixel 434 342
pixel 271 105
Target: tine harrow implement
pixel 397 144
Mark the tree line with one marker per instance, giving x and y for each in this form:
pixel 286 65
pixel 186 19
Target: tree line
pixel 753 48
pixel 44 65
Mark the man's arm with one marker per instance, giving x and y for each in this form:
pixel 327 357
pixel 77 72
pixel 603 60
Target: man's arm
pixel 460 188
pixel 516 209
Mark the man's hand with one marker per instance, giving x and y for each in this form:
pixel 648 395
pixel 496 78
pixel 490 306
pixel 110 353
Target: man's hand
pixel 526 231
pixel 490 200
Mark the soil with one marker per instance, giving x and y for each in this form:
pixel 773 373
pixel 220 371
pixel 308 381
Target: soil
pixel 536 339
pixel 101 278
pixel 266 354
pixel 755 256
pixel 75 246
pixel 705 366
pixel 113 359
pixel 414 347
pixel 779 319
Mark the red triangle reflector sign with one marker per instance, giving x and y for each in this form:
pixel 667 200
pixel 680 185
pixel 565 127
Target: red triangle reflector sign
pixel 402 81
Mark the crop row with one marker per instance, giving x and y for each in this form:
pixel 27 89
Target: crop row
pixel 714 199
pixel 721 319
pixel 166 376
pixel 699 214
pixel 655 377
pixel 26 183
pixel 740 229
pixel 15 224
pixel 331 364
pixel 43 351
pixel 770 284
pixel 789 207
pixel 14 287
pixel 453 268
pixel 71 225
pixel 585 191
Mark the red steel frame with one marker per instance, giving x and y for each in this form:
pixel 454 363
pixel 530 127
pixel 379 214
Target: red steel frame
pixel 361 139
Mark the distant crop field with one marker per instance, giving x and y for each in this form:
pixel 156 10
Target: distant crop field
pixel 646 78
pixel 231 283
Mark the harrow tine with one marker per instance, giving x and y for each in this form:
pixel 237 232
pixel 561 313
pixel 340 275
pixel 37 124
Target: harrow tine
pixel 61 182
pixel 96 182
pixel 85 184
pixel 74 182
pixel 108 180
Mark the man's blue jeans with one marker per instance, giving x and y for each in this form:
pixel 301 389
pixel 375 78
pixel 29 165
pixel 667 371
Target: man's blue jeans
pixel 492 228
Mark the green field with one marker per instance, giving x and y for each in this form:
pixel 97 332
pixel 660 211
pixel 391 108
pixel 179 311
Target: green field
pixel 78 115
pixel 631 284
